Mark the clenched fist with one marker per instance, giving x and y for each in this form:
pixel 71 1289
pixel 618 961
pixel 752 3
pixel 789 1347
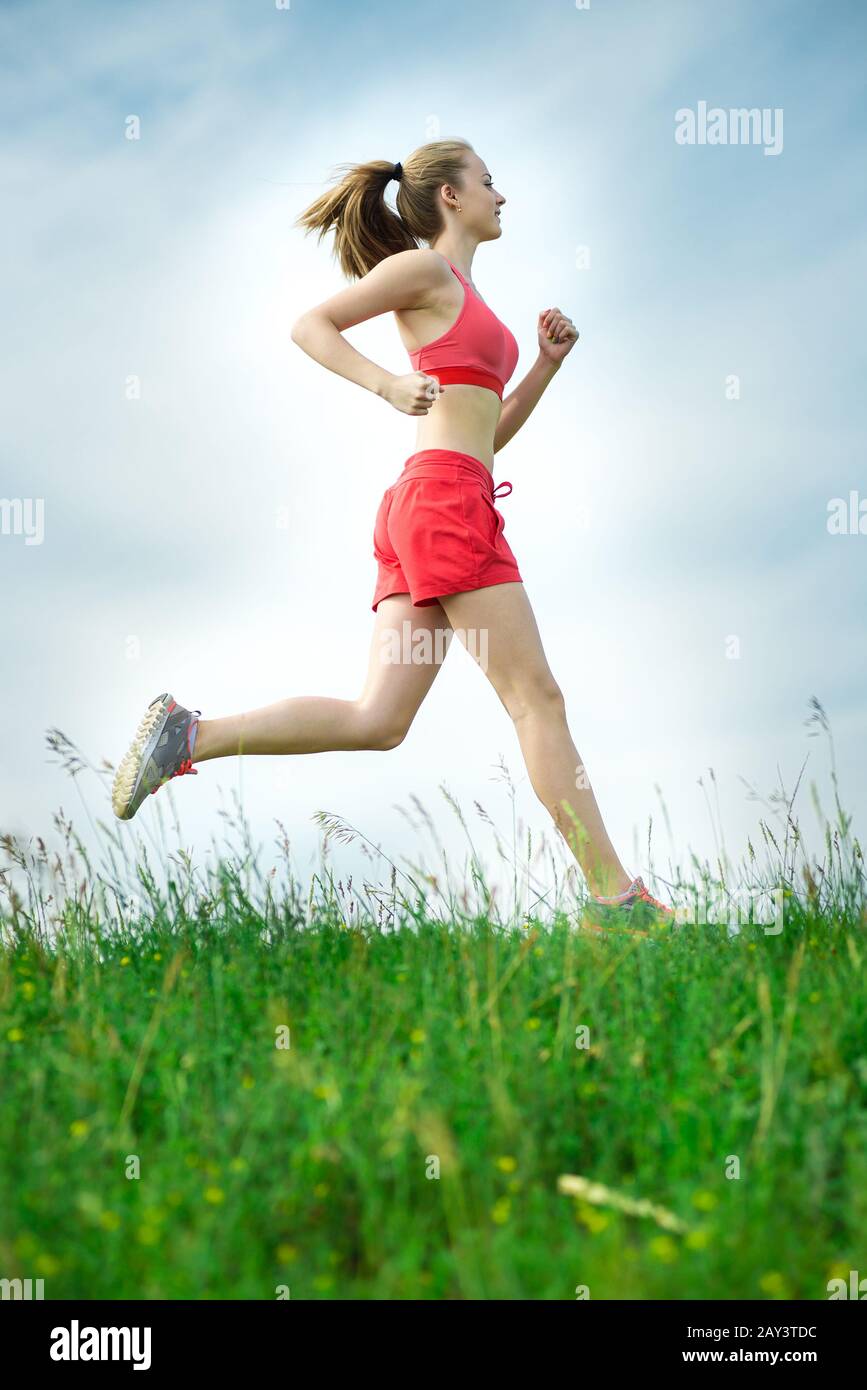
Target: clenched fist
pixel 557 335
pixel 413 394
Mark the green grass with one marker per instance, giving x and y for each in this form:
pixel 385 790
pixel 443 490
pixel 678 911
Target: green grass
pixel 424 1033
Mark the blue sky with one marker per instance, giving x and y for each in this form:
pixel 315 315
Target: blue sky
pixel 653 517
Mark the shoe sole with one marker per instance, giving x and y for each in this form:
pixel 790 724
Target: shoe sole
pixel 657 923
pixel 613 930
pixel 135 758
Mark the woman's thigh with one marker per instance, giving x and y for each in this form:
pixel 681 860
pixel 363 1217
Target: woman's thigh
pixel 498 627
pixel 407 648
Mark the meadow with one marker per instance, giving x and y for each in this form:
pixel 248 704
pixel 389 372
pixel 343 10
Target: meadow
pixel 223 1083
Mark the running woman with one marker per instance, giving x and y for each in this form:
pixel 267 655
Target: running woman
pixel 443 563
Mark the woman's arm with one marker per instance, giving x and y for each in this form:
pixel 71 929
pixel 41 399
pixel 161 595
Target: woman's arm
pixel 406 280
pixel 519 405
pixel 557 336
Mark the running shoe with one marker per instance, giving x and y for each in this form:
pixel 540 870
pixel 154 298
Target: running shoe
pixel 633 909
pixel 162 749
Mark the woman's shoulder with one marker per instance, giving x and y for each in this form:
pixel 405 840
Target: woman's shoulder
pixel 421 265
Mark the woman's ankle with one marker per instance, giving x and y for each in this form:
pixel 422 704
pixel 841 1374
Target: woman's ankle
pixel 610 883
pixel 199 738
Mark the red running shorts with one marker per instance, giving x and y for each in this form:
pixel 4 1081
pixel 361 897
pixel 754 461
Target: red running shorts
pixel 438 532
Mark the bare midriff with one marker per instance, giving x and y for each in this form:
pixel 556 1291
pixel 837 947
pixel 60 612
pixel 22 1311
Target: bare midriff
pixel 463 418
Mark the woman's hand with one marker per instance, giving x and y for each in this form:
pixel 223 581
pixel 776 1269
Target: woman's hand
pixel 413 394
pixel 557 335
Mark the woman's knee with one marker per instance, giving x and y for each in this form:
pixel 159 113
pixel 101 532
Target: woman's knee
pixel 540 696
pixel 387 738
pixel 380 731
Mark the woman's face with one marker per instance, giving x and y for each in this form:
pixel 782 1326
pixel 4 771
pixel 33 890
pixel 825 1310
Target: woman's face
pixel 479 200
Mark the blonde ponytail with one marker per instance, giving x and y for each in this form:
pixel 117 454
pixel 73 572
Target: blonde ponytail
pixel 366 229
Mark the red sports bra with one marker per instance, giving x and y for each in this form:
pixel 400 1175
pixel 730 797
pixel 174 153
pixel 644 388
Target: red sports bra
pixel 478 349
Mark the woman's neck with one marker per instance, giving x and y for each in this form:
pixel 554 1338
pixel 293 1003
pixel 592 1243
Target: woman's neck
pixel 460 256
